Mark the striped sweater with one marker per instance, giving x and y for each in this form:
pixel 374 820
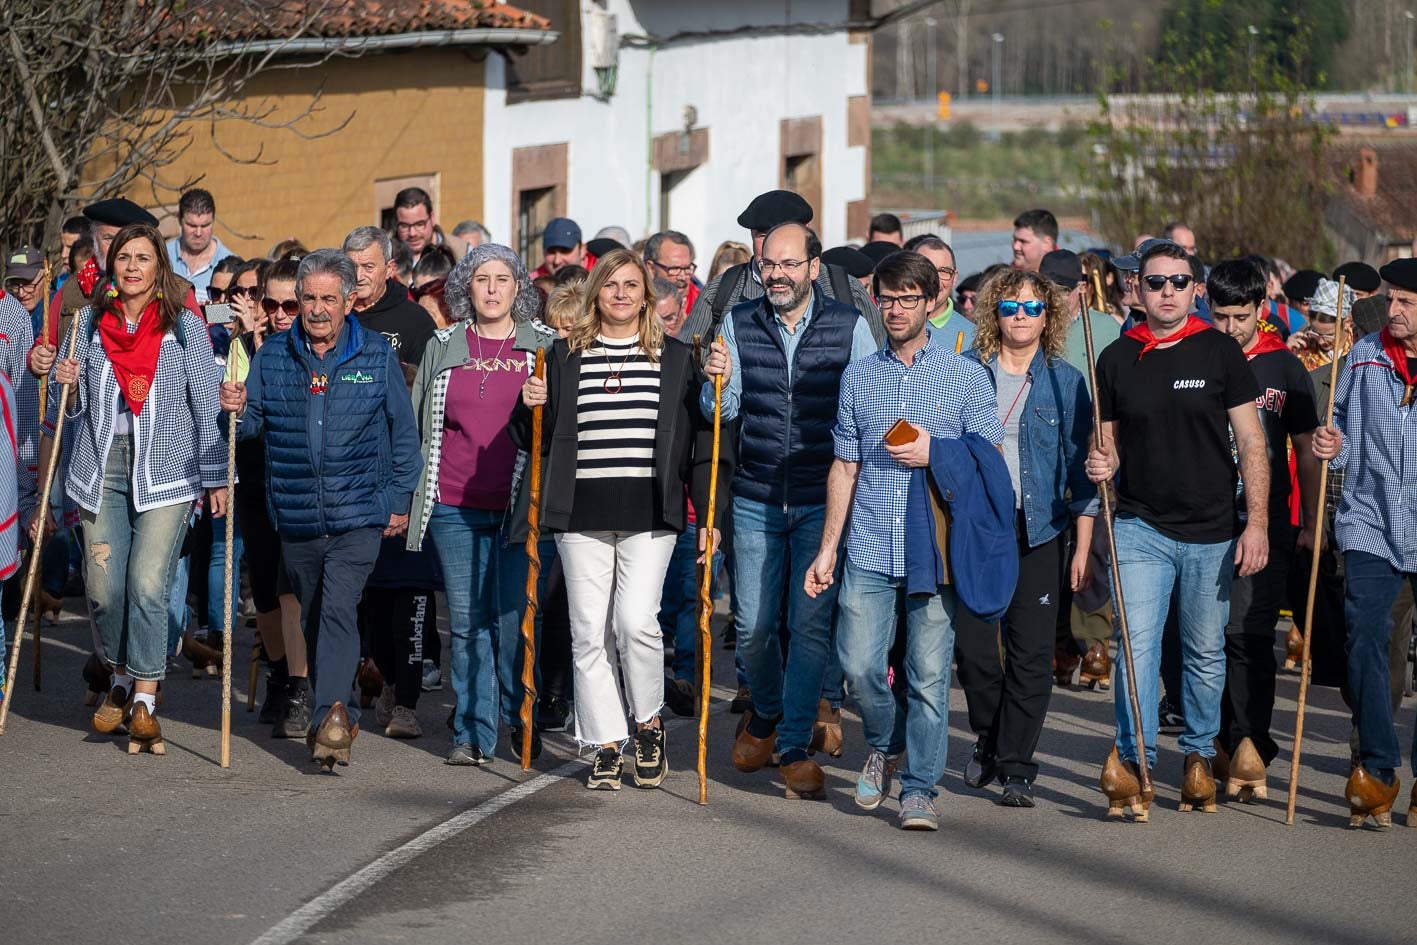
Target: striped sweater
pixel 617 407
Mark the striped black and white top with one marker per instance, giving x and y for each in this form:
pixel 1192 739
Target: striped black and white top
pixel 617 409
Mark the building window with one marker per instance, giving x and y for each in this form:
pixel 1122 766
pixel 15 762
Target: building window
pixel 801 169
pixel 538 195
pixel 552 71
pixel 534 210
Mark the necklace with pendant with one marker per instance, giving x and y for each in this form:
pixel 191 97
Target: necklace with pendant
pixel 482 365
pixel 614 375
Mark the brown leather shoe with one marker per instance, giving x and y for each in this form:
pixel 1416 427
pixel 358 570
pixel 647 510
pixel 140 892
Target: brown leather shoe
pixel 330 743
pixel 1121 784
pixel 1065 662
pixel 144 734
pixel 113 714
pixel 1245 778
pixel 1370 797
pixel 1293 648
pixel 750 753
pixel 1198 784
pixel 803 779
pixel 826 731
pixel 371 682
pixel 47 603
pixel 204 656
pixel 1096 671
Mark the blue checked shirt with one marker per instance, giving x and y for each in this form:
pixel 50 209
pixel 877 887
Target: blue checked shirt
pixel 943 393
pixel 1378 511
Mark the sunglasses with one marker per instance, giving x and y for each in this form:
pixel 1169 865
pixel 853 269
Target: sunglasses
pixel 1010 307
pixel 435 288
pixel 271 306
pixel 231 292
pixel 1179 281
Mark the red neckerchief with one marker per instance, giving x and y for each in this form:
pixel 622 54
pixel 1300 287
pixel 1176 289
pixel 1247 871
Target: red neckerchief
pixel 1266 340
pixel 87 277
pixel 134 357
pixel 1398 356
pixel 1142 333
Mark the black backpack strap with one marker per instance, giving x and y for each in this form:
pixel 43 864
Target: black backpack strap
pixel 841 284
pixel 730 286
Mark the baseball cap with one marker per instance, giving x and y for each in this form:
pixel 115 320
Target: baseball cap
pixel 1132 261
pixel 1062 268
pixel 561 233
pixel 24 264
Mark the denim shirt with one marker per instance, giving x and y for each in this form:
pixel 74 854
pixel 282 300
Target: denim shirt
pixel 1053 433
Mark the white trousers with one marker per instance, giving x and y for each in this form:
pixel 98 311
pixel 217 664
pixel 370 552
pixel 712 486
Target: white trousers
pixel 613 586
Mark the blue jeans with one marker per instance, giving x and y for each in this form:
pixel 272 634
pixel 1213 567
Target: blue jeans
pixel 177 606
pixel 130 563
pixel 1151 564
pixel 216 574
pixel 484 578
pixel 920 728
pixel 679 604
pixel 1372 587
pixel 773 548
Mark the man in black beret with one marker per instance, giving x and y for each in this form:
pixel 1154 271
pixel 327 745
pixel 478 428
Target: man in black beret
pixel 878 250
pixel 744 282
pixel 1300 287
pixel 857 264
pixel 1363 279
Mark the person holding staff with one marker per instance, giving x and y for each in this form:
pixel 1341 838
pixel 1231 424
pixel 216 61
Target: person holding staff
pixel 624 437
pixel 143 408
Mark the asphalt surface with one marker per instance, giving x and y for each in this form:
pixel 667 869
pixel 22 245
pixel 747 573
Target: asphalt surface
pixel 100 846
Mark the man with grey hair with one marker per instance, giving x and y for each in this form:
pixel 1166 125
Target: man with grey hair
pixel 331 401
pixel 381 302
pixel 617 233
pixel 670 255
pixel 472 233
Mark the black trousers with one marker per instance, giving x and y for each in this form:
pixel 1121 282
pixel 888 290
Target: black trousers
pixel 554 655
pixel 394 623
pixel 1247 707
pixel 1008 699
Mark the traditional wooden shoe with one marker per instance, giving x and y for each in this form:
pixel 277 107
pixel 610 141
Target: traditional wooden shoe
pixel 370 681
pixel 1096 670
pixel 1198 785
pixel 1245 778
pixel 98 678
pixel 1121 784
pixel 1368 797
pixel 330 743
pixel 1293 648
pixel 751 753
pixel 205 659
pixel 1065 662
pixel 113 714
pixel 826 731
pixel 144 734
pixel 804 779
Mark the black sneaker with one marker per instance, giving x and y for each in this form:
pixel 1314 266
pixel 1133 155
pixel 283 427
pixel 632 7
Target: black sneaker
pixel 742 702
pixel 516 739
pixel 651 765
pixel 607 770
pixel 730 634
pixel 553 714
pixel 1018 792
pixel 981 767
pixel 680 696
pixel 468 756
pixel 297 714
pixel 273 709
pixel 1170 720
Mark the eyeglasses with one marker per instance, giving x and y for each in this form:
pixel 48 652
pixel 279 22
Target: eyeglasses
pixel 907 303
pixel 788 266
pixel 673 270
pixel 403 227
pixel 432 287
pixel 1008 308
pixel 945 272
pixel 289 306
pixel 1179 281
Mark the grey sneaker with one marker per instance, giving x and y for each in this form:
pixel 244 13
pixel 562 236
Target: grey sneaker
pixel 384 705
pixel 874 784
pixel 917 812
pixel 467 756
pixel 432 677
pixel 403 724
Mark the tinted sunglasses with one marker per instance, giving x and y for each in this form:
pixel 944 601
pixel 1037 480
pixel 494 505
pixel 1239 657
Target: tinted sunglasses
pixel 231 292
pixel 1179 281
pixel 428 288
pixel 271 306
pixel 1010 307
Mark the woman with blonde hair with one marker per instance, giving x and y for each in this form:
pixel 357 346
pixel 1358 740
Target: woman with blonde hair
pixel 625 445
pixel 1023 321
pixel 728 254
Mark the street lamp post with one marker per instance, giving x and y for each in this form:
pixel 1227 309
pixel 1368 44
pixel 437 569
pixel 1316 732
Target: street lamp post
pixel 998 52
pixel 1250 56
pixel 1407 76
pixel 934 84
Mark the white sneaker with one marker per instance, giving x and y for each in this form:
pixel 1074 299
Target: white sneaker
pixel 432 677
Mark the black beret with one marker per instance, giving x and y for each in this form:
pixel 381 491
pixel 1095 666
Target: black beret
pixel 1369 315
pixel 1360 276
pixel 1401 273
pixel 877 250
pixel 970 283
pixel 773 208
pixel 601 245
pixel 1062 268
pixel 119 211
pixel 1303 284
pixel 856 263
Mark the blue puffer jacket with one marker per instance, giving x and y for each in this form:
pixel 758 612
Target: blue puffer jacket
pixel 340 459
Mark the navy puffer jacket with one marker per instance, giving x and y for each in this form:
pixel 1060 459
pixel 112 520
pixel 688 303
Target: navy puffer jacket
pixel 341 445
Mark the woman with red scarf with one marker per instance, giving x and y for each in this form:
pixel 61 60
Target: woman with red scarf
pixel 143 408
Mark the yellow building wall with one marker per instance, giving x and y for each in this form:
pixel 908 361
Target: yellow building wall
pixel 410 113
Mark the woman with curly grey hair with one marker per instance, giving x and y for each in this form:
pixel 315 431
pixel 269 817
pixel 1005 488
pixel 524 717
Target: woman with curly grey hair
pixel 469 501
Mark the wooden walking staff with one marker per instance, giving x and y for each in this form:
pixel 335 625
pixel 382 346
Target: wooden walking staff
pixel 41 516
pixel 1105 494
pixel 226 645
pixel 43 402
pixel 706 594
pixel 1314 567
pixel 533 571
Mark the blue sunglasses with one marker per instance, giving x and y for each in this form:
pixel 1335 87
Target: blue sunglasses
pixel 1009 308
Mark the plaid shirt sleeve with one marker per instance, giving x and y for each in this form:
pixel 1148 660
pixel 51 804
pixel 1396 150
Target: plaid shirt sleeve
pixel 845 435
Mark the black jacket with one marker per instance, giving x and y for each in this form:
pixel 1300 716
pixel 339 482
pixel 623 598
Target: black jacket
pixel 405 324
pixel 683 441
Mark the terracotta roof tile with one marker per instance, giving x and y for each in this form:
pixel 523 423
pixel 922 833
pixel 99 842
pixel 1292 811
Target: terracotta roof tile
pixel 364 18
pixel 1393 209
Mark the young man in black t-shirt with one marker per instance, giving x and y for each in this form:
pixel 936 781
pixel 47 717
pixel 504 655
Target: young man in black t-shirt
pixel 1286 410
pixel 1171 390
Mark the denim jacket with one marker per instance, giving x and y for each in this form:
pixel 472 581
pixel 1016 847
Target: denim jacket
pixel 1053 431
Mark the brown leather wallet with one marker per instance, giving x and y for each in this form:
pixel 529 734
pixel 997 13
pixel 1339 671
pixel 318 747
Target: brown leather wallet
pixel 900 434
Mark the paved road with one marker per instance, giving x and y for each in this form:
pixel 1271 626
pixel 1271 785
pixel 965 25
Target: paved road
pixel 100 846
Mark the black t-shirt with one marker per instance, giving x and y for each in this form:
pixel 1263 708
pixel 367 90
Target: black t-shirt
pixel 404 323
pixel 1178 473
pixel 1287 408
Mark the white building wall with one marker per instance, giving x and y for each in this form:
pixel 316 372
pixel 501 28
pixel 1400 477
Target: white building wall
pixel 742 87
